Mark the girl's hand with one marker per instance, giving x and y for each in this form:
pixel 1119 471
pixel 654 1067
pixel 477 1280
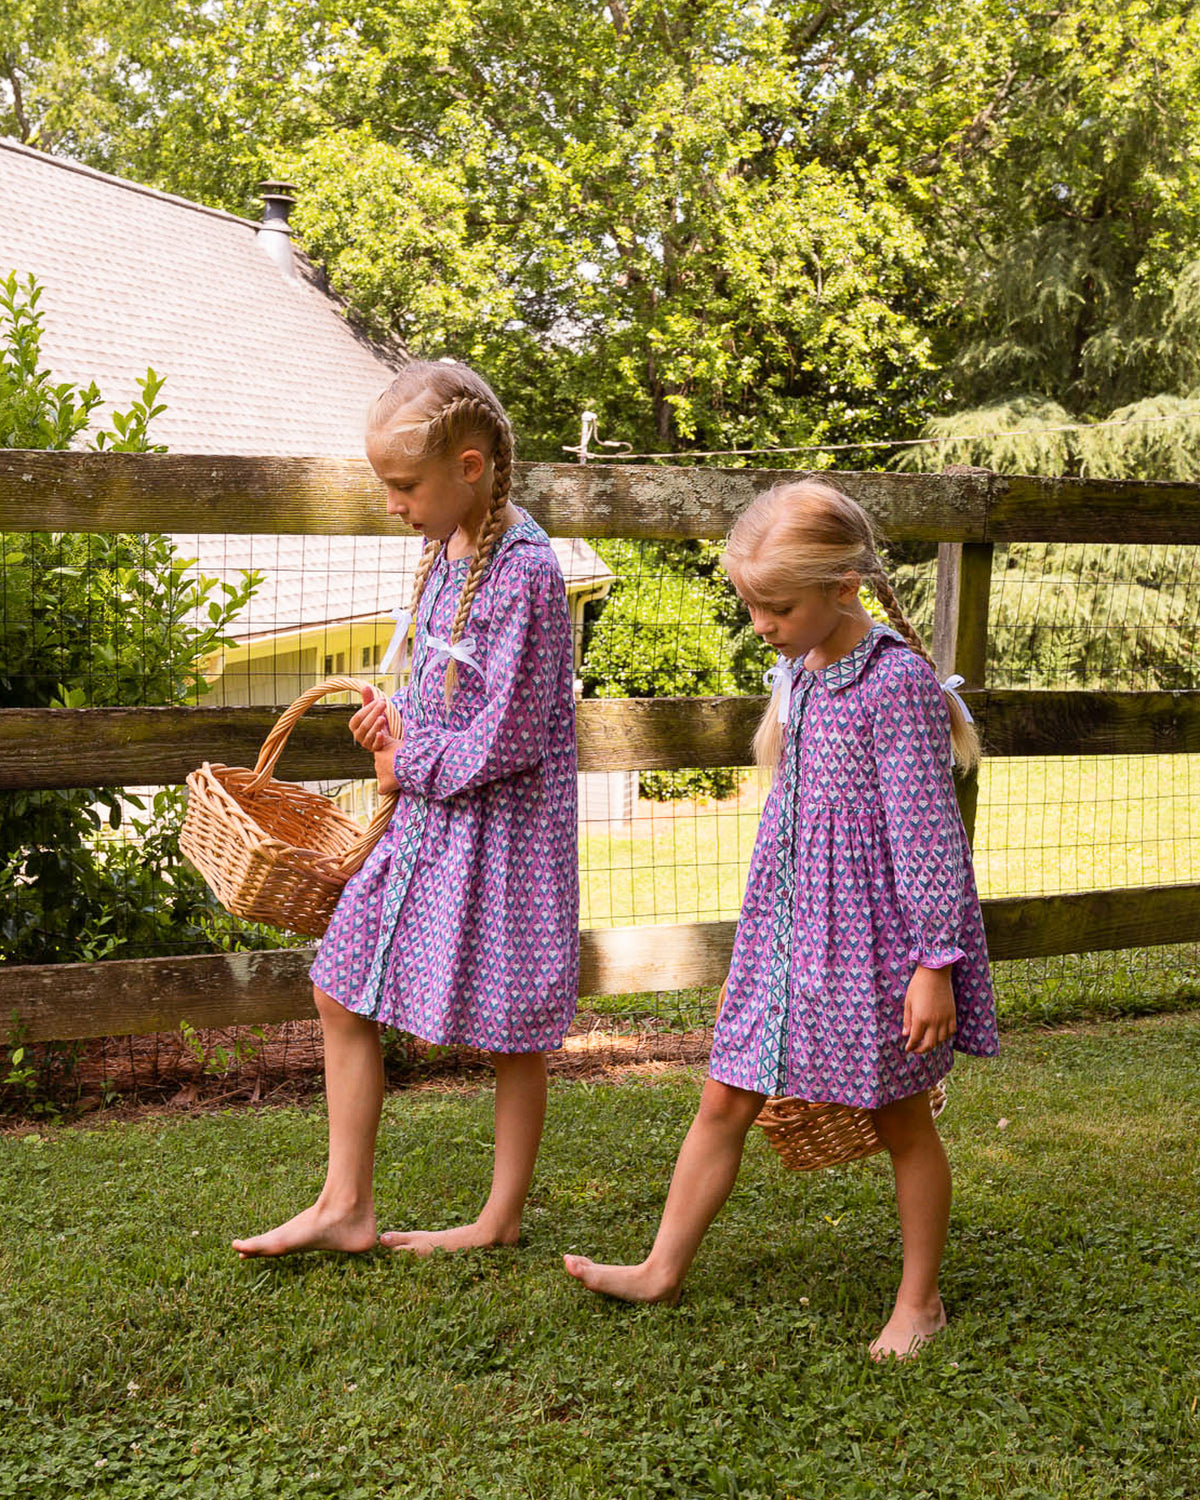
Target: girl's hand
pixel 929 1014
pixel 369 726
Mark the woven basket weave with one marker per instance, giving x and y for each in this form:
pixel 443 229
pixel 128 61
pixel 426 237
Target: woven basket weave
pixel 808 1135
pixel 273 851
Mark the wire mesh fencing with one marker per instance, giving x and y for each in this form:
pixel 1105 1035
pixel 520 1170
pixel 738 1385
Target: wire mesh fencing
pixel 241 621
pixel 1100 617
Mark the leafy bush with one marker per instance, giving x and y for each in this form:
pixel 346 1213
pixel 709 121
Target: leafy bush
pixel 96 621
pixel 671 627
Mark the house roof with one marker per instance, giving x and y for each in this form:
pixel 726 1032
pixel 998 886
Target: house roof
pixel 313 581
pixel 255 361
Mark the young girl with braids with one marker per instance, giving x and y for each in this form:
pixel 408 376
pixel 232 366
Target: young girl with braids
pixel 859 962
pixel 462 925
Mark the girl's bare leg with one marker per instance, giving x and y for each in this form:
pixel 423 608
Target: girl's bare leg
pixel 520 1115
pixel 704 1177
pixel 923 1200
pixel 343 1217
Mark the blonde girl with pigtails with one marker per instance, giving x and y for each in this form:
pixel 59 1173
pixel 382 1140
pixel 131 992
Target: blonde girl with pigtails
pixel 860 965
pixel 462 927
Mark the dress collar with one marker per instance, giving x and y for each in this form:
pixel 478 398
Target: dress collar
pixel 847 669
pixel 524 529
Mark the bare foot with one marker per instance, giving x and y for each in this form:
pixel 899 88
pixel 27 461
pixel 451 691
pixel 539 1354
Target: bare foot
pixel 905 1332
pixel 630 1283
pixel 466 1237
pixel 317 1228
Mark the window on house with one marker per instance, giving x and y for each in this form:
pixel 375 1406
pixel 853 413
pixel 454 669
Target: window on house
pixel 366 656
pixel 329 666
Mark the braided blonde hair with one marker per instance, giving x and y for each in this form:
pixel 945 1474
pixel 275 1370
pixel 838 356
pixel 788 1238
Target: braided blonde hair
pixel 809 533
pixel 430 409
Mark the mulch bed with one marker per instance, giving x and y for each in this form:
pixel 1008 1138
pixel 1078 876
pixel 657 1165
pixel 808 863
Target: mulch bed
pixel 131 1075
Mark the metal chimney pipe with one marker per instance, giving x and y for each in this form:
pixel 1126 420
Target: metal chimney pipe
pixel 274 233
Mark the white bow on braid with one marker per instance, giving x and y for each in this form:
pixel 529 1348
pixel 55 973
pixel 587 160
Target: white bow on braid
pixel 779 679
pixel 403 619
pixel 949 686
pixel 463 651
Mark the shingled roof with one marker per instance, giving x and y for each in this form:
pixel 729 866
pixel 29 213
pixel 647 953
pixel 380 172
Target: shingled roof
pixel 255 361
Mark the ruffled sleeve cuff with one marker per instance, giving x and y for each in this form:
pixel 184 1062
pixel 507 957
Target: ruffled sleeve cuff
pixel 935 958
pixel 417 756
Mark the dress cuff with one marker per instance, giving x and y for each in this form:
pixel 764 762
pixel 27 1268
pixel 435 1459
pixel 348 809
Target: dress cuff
pixel 935 958
pixel 415 758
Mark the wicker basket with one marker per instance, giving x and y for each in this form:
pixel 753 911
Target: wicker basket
pixel 808 1135
pixel 273 851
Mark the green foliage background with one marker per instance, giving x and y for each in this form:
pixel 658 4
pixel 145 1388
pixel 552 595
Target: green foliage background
pixel 717 225
pixel 95 621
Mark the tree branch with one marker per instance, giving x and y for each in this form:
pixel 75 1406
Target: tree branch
pixel 807 34
pixel 14 82
pixel 975 132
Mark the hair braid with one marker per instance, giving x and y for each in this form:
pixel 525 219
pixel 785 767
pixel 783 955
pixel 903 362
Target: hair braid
pixel 964 737
pixel 430 409
pixel 488 535
pixel 884 592
pixel 461 415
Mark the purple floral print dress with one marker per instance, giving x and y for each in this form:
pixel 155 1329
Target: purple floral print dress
pixel 463 924
pixel 861 871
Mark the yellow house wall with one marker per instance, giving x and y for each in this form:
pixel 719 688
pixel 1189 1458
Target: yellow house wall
pixel 273 671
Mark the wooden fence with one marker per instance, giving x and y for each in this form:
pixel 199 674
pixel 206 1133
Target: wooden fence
pixel 966 513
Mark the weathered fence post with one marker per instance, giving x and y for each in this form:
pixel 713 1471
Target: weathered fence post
pixel 960 634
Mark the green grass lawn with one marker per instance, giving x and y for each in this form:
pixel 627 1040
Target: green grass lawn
pixel 1044 826
pixel 141 1359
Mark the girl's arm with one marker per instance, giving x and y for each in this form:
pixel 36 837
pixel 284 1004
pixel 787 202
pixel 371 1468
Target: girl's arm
pixel 529 649
pixel 925 831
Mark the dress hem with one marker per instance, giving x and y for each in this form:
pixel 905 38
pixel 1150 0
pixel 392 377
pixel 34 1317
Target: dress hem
pixel 871 1102
pixel 444 1039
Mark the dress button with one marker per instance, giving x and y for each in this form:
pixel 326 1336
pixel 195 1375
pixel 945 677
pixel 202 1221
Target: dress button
pixel 777 1010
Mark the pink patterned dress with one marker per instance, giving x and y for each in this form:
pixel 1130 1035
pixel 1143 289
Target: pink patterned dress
pixel 861 871
pixel 463 924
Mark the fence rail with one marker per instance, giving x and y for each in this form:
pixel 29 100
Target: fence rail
pixel 966 513
pixel 171 492
pixel 47 749
pixel 62 1002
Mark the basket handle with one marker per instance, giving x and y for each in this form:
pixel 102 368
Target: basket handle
pixel 272 747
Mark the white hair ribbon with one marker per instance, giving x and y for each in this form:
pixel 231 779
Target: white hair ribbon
pixel 949 686
pixel 779 679
pixel 463 651
pixel 403 619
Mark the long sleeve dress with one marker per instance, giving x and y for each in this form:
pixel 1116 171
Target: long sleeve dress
pixel 861 871
pixel 463 924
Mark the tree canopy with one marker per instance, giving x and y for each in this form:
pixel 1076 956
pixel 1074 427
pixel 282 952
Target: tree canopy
pixel 716 224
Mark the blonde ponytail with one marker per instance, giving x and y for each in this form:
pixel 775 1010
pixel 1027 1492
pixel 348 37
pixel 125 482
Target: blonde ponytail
pixel 808 533
pixel 768 739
